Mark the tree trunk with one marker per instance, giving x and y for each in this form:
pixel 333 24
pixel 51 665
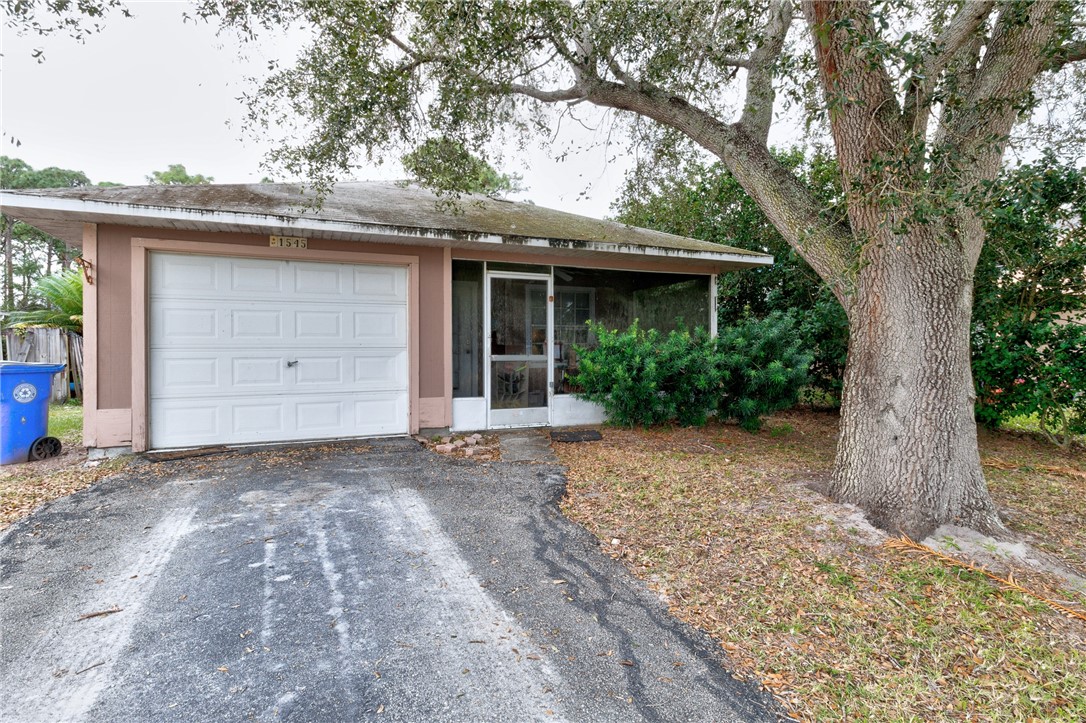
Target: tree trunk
pixel 9 269
pixel 907 453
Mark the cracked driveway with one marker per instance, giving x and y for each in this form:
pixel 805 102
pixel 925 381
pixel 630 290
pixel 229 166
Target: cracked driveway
pixel 339 583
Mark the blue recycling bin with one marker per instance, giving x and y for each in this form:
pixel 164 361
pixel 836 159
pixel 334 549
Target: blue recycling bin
pixel 25 389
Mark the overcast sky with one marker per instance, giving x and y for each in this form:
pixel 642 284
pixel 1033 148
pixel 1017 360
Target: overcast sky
pixel 151 91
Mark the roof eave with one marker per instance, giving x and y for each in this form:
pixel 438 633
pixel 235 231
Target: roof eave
pixel 87 211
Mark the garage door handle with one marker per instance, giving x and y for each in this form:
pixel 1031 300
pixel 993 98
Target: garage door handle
pixel 292 363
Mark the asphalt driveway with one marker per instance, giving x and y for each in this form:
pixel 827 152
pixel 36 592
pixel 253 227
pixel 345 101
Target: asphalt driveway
pixel 335 583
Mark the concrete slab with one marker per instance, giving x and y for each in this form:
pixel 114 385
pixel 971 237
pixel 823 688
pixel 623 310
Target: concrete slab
pixel 527 445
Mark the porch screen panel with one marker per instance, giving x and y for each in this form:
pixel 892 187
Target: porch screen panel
pixel 614 299
pixel 467 328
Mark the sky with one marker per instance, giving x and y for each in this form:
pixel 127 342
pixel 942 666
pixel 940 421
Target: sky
pixel 152 90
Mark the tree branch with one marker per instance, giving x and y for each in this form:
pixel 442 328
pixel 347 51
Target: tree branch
pixel 758 109
pixel 1074 52
pixel 790 206
pixel 955 36
pixel 864 114
pixel 401 45
pixel 622 76
pixel 978 129
pixel 572 93
pixel 736 62
pixel 974 134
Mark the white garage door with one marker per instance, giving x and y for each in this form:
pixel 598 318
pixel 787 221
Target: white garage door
pixel 256 350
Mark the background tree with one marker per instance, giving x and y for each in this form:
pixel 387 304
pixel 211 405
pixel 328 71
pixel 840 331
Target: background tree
pixel 1029 324
pixel 1029 307
pixel 176 175
pixel 29 253
pixel 63 297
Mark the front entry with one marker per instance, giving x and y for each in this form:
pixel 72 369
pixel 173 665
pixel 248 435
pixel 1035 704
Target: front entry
pixel 519 337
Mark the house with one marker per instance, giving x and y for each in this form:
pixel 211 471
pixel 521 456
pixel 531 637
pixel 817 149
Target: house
pixel 233 314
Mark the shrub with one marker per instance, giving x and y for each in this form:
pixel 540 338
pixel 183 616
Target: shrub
pixel 643 378
pixel 763 368
pixel 1024 368
pixel 1029 311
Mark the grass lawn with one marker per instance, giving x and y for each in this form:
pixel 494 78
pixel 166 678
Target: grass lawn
pixel 66 423
pixel 808 600
pixel 23 487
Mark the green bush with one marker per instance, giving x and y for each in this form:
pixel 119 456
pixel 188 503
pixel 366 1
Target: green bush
pixel 644 378
pixel 1029 311
pixel 1029 368
pixel 763 368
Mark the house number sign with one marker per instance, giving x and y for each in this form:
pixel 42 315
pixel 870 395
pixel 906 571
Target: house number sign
pixel 288 242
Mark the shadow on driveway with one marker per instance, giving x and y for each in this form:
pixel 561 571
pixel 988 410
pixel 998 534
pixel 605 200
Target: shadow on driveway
pixel 339 582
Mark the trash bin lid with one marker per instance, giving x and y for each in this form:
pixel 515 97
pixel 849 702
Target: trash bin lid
pixel 13 367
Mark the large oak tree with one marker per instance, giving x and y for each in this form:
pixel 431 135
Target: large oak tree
pixel 919 97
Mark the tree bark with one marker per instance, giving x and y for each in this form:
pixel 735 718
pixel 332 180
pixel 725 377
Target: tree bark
pixel 907 453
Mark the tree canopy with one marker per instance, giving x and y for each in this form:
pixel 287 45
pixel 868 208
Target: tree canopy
pixel 444 163
pixel 176 175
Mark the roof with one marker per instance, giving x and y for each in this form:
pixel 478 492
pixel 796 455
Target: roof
pixel 381 212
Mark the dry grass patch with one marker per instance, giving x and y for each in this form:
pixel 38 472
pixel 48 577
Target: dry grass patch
pixel 804 596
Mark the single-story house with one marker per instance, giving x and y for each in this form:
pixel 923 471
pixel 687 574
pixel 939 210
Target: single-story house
pixel 234 314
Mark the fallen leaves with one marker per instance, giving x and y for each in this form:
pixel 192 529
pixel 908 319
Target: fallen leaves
pixel 803 598
pixel 28 486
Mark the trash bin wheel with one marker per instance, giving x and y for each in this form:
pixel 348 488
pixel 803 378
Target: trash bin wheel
pixel 44 447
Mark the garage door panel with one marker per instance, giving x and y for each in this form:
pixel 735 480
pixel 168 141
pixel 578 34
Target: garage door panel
pixel 265 325
pixel 185 274
pixel 248 371
pixel 319 280
pixel 206 277
pixel 381 413
pixel 380 284
pixel 199 423
pixel 381 326
pixel 183 324
pixel 248 420
pixel 319 418
pixel 320 325
pixel 210 374
pixel 317 370
pixel 256 276
pixel 224 329
pixel 381 368
pixel 176 324
pixel 185 373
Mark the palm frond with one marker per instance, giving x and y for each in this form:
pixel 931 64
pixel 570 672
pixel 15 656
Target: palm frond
pixel 63 293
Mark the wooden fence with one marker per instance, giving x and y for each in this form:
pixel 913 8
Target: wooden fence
pixel 53 346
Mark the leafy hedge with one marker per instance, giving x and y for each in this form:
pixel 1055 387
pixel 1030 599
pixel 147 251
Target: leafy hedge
pixel 644 378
